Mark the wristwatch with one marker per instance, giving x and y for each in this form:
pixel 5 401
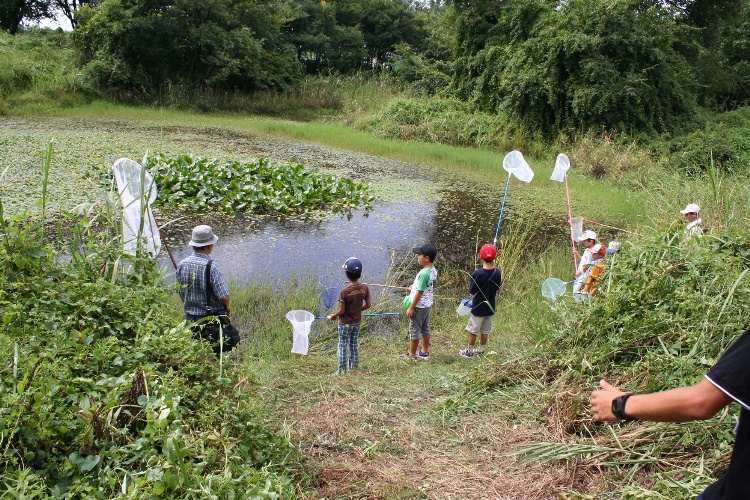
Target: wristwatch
pixel 618 407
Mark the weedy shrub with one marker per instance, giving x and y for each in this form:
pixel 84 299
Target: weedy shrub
pixel 667 308
pixel 718 145
pixel 103 390
pixel 602 155
pixel 38 66
pixel 196 184
pixel 447 121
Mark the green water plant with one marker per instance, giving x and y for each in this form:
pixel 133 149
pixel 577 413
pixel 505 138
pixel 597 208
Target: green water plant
pixel 260 187
pixel 105 392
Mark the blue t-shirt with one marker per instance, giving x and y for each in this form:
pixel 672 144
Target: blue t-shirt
pixel 484 286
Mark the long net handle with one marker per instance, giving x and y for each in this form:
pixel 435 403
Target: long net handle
pixel 502 209
pixel 570 221
pixel 367 314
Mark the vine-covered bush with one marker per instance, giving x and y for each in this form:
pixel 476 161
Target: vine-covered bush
pixel 262 187
pixel 104 392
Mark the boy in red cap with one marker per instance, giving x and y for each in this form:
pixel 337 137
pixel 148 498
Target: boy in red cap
pixel 485 282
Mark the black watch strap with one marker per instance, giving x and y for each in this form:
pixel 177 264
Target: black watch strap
pixel 618 407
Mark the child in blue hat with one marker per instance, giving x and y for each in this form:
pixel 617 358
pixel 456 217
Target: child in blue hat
pixel 353 299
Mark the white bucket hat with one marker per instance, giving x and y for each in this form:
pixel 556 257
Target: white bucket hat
pixel 691 208
pixel 203 236
pixel 587 235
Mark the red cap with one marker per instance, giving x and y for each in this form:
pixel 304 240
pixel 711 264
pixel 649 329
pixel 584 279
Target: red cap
pixel 488 252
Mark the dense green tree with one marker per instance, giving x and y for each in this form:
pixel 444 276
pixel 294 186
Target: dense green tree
pixel 603 64
pixel 141 45
pixel 321 41
pixel 14 12
pixel 346 35
pixel 385 24
pixel 721 52
pixel 69 8
pixel 428 68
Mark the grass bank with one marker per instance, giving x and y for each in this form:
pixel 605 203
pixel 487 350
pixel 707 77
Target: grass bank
pixel 621 198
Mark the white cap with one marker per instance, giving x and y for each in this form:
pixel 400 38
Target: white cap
pixel 598 248
pixel 587 235
pixel 691 208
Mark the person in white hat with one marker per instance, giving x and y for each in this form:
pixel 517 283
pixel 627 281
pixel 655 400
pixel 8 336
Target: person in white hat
pixel 205 294
pixel 588 239
pixel 191 276
pixel 695 225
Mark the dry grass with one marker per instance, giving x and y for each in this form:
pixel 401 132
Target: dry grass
pixel 379 433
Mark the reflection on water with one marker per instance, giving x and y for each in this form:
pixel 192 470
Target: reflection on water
pixel 418 204
pixel 463 218
pixel 319 248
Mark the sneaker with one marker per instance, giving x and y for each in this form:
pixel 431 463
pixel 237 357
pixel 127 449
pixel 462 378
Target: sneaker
pixel 406 357
pixel 423 356
pixel 466 353
pixel 479 351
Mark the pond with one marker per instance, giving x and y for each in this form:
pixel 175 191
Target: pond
pixel 415 203
pixel 381 237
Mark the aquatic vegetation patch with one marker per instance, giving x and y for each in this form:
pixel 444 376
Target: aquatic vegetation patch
pixel 262 186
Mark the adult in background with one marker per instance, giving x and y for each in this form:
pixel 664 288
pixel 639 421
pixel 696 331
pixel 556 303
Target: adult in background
pixel 725 382
pixel 695 224
pixel 588 239
pixel 198 300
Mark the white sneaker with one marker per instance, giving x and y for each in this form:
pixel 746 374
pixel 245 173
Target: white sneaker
pixel 466 353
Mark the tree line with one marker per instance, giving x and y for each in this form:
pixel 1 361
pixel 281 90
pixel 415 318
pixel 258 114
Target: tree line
pixel 556 66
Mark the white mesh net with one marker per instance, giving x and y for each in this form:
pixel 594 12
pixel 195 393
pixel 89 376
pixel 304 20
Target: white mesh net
pixel 137 191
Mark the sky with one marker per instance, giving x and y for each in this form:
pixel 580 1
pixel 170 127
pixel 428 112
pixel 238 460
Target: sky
pixel 60 21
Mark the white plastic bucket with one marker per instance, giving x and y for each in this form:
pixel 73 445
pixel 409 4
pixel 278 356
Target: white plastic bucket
pixel 301 321
pixel 464 307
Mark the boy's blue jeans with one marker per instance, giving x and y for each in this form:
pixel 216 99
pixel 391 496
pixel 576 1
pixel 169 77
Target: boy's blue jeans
pixel 348 347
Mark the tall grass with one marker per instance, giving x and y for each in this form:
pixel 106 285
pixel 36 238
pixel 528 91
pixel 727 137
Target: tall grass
pixel 317 97
pixel 37 71
pixel 667 308
pixel 259 309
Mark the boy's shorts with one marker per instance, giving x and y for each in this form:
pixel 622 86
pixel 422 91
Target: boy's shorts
pixel 479 325
pixel 419 323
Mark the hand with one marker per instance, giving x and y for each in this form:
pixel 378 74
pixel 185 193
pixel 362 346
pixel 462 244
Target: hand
pixel 601 402
pixel 410 312
pixel 331 317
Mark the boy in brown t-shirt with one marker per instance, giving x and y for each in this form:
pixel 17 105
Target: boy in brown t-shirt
pixel 353 299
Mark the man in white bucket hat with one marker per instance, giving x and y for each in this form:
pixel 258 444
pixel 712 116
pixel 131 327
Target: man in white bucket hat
pixel 198 301
pixel 695 225
pixel 191 277
pixel 588 239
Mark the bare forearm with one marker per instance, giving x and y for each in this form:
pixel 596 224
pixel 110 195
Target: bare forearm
pixel 697 402
pixel 676 405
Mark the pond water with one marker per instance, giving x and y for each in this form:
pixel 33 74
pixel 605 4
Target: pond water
pixel 454 218
pixel 416 204
pixel 275 250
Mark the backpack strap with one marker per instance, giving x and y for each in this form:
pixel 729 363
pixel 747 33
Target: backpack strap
pixel 209 286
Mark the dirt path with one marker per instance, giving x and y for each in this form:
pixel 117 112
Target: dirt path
pixel 395 429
